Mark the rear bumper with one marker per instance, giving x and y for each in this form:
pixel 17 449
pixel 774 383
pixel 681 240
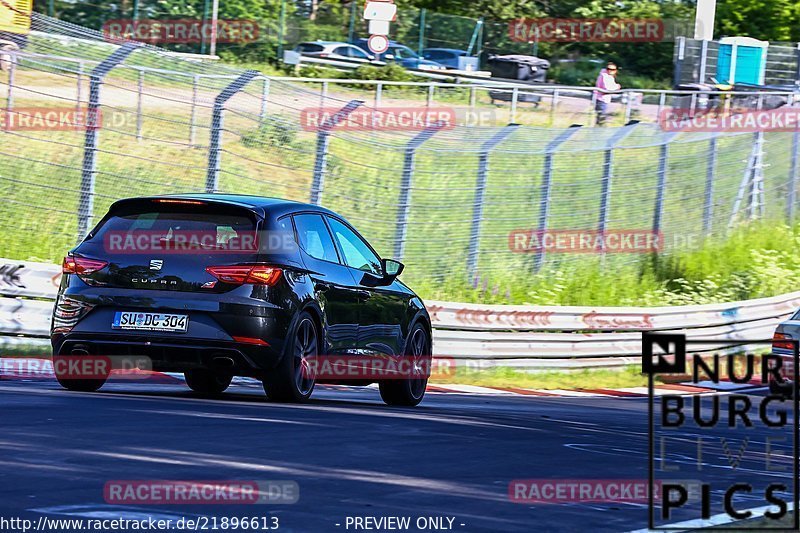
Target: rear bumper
pixel 174 354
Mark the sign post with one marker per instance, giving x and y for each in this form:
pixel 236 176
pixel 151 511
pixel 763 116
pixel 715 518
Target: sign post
pixel 379 13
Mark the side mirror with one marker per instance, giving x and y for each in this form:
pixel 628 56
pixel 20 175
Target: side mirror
pixel 392 268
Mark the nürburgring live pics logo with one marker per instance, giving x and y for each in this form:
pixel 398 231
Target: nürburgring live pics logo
pixel 739 445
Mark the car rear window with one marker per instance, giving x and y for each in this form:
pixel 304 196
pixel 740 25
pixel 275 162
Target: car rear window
pixel 310 48
pixel 220 223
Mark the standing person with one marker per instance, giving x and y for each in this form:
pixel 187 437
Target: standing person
pixel 607 81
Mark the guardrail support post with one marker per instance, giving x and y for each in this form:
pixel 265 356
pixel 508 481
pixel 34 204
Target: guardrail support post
pixel 790 206
pixel 404 205
pixel 89 168
pixel 608 174
pixel 214 147
pixel 663 167
pixel 480 192
pixel 547 185
pixel 323 143
pixel 711 169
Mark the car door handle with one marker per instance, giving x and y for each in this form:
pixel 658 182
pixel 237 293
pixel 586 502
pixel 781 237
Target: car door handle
pixel 364 294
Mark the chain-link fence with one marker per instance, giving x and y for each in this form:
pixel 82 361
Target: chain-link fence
pixel 448 202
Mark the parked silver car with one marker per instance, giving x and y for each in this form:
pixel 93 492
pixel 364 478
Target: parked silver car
pixel 335 50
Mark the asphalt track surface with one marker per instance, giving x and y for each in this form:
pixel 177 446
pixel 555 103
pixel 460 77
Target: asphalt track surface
pixel 453 456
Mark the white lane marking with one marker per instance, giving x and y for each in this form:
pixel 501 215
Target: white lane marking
pixel 101 511
pixel 717 520
pixel 225 416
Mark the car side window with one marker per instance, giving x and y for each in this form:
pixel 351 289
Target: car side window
pixel 314 237
pixel 357 253
pixel 342 51
pixel 355 52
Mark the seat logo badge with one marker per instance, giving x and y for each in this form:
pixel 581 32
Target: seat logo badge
pixel 156 264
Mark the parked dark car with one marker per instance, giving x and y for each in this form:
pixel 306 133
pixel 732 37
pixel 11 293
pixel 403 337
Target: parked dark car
pixel 403 56
pixel 311 287
pixel 449 57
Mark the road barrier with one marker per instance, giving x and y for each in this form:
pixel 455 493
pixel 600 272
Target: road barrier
pixel 533 337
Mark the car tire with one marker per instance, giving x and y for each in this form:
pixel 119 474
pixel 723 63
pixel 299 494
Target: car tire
pixel 409 392
pixel 292 381
pixel 76 385
pixel 206 382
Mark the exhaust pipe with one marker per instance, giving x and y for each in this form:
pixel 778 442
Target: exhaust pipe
pixel 223 362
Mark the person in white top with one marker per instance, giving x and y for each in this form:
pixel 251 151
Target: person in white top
pixel 607 81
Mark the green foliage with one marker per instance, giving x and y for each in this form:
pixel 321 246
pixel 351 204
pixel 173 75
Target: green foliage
pixel 755 261
pixel 274 131
pixel 391 72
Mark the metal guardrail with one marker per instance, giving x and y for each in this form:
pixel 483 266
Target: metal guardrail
pixel 533 337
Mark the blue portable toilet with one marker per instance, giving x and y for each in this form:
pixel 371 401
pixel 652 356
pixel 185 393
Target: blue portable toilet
pixel 742 60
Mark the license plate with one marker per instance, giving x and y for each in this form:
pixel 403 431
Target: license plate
pixel 150 321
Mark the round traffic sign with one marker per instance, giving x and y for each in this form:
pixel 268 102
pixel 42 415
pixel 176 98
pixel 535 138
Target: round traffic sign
pixel 378 44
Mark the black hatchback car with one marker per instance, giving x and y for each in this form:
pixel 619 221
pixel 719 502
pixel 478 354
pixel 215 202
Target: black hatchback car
pixel 217 286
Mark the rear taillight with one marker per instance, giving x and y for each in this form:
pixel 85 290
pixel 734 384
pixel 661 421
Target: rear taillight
pixel 242 274
pixel 778 337
pixel 81 265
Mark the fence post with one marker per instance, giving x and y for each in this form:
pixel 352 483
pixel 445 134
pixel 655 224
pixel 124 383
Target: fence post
pixel 78 87
pixel 89 168
pixel 480 192
pixel 378 94
pixel 553 107
pixel 797 62
pixel 323 142
pixel 139 97
pixel 404 205
pixel 431 90
pixel 680 56
pixel 711 168
pixel 790 207
pixel 193 115
pixel 264 99
pixel 608 174
pixel 547 185
pixel 12 69
pixel 704 60
pixel 663 167
pixel 212 177
pixel 514 102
